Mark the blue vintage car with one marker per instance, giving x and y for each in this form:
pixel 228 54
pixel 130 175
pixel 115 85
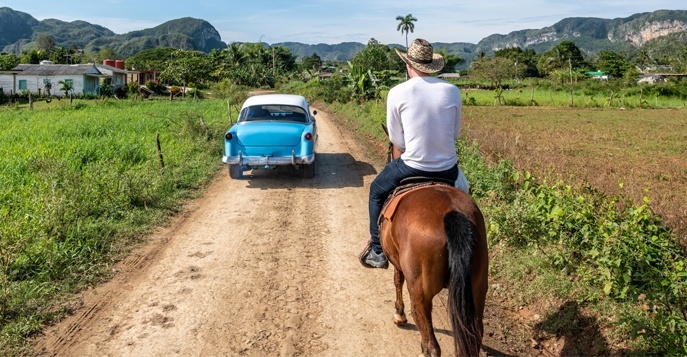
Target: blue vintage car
pixel 272 130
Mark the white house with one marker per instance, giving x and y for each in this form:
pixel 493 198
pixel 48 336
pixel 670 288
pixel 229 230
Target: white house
pixel 117 76
pixel 651 78
pixel 85 78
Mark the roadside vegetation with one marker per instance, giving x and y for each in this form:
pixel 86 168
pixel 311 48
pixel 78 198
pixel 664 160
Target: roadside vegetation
pixel 604 273
pixel 80 185
pixel 582 179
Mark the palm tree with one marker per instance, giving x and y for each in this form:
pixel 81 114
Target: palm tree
pixel 66 86
pixel 236 55
pixel 406 25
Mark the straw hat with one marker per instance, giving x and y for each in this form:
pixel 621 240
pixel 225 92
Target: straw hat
pixel 421 56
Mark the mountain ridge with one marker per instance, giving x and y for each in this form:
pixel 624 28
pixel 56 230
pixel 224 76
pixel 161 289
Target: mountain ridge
pixel 18 29
pixel 590 34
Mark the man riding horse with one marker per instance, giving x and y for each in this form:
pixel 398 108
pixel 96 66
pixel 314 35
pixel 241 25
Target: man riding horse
pixel 423 120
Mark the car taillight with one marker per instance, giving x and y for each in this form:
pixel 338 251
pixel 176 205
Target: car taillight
pixel 308 136
pixel 228 136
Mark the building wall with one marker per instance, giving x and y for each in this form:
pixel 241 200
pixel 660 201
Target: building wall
pixel 81 84
pixel 6 83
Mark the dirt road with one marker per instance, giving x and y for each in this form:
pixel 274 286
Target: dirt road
pixel 262 266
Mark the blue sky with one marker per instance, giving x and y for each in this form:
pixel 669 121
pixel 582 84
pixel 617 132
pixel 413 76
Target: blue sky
pixel 336 21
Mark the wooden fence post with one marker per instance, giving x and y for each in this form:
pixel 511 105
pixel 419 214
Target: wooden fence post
pixel 159 151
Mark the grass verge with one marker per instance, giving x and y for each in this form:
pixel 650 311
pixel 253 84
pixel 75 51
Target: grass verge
pixel 80 184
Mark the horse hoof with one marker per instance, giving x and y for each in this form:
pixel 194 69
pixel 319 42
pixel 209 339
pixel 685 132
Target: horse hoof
pixel 399 320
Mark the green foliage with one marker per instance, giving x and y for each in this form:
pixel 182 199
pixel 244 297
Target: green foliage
pixel 78 188
pixel 450 60
pixel 66 86
pixel 150 59
pixel 132 87
pixel 373 58
pixel 155 87
pixel 525 62
pixel 406 24
pixel 495 70
pixel 8 61
pixel 33 57
pixel 587 93
pixel 187 68
pixel 44 42
pixel 612 63
pixel 312 63
pixel 331 90
pixel 253 65
pixel 624 253
pixel 564 56
pixel 606 251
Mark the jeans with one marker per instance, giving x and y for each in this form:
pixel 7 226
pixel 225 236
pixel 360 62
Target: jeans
pixel 387 181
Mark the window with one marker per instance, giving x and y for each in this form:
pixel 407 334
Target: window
pixel 22 84
pixel 46 80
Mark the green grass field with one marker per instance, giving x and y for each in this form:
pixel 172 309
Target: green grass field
pixel 79 184
pixel 562 99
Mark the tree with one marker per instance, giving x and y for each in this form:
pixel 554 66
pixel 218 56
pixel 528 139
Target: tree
pixel 495 70
pixel 45 42
pixel 525 61
pixel 450 61
pixel 33 56
pixel 369 69
pixel 373 58
pixel 106 53
pixel 612 63
pixel 235 54
pixel 643 58
pixel 66 86
pixel 61 55
pixel 312 62
pixel 406 25
pixel 187 67
pixel 565 55
pixel 8 61
pixel 151 59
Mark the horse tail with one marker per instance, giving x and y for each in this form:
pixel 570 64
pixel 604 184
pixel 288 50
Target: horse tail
pixel 461 242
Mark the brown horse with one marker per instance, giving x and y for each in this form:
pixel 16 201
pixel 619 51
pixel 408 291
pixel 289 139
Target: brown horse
pixel 436 239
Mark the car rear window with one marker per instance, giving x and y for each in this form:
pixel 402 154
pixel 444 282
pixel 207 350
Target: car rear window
pixel 273 112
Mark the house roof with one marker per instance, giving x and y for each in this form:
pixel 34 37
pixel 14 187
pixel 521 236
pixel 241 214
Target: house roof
pixel 110 69
pixel 57 69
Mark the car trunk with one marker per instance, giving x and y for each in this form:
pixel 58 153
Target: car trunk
pixel 265 134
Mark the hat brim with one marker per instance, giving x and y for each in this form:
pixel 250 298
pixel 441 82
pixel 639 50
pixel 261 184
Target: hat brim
pixel 435 66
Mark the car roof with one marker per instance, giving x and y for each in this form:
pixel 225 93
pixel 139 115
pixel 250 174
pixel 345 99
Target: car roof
pixel 286 99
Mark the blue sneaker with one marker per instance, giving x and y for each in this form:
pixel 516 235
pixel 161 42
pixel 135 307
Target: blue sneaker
pixel 370 259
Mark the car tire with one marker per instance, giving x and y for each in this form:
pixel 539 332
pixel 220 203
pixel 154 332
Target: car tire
pixel 308 171
pixel 235 172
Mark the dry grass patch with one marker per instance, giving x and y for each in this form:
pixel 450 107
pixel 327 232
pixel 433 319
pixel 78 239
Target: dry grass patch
pixel 637 153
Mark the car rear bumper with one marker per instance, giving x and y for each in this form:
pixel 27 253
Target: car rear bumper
pixel 268 160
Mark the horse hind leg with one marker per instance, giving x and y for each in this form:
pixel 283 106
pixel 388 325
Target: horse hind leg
pixel 399 316
pixel 422 314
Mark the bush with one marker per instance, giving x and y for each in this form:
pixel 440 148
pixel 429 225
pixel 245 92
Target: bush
pixel 132 87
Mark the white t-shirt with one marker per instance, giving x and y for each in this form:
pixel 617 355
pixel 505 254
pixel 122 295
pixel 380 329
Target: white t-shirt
pixel 423 116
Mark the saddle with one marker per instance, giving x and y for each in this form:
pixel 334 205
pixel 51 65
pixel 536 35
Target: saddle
pixel 408 185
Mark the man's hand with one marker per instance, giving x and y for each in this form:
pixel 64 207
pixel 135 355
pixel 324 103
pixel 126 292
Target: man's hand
pixel 395 152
